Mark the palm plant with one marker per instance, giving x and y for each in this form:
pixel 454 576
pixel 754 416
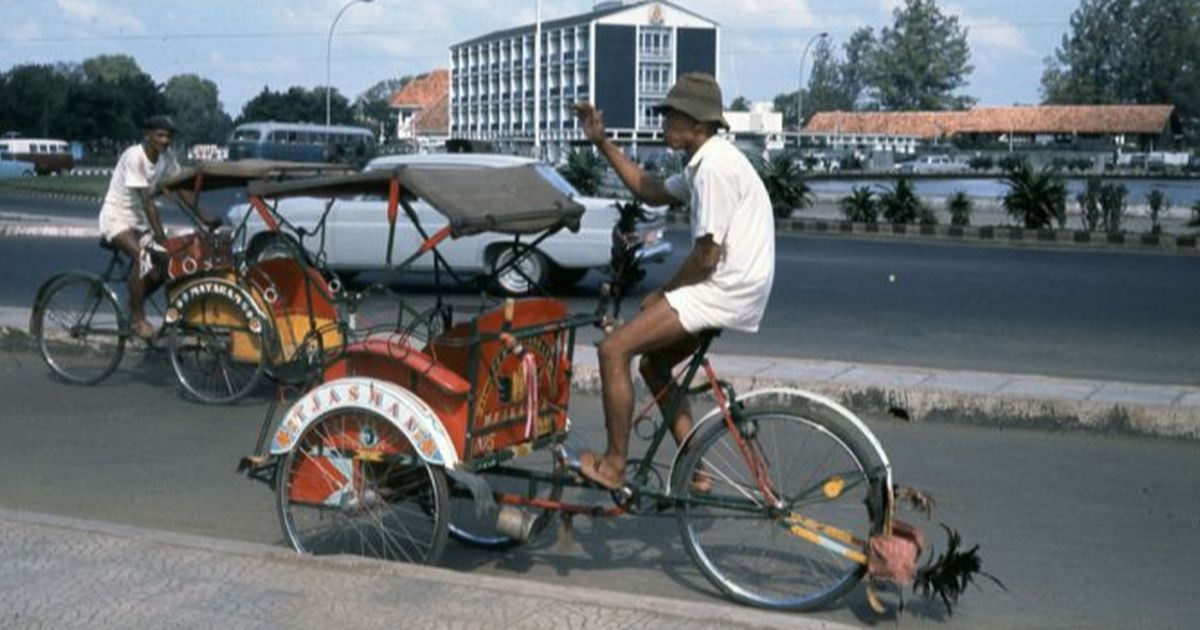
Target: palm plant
pixel 1089 203
pixel 785 184
pixel 1158 204
pixel 1112 206
pixel 1037 199
pixel 900 204
pixel 585 170
pixel 960 206
pixel 860 205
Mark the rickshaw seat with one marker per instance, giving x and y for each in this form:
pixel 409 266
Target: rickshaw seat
pixel 417 362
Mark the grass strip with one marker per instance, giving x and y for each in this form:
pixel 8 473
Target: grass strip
pixel 92 185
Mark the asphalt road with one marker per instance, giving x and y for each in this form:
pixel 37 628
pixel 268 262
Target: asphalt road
pixel 1085 530
pixel 1082 314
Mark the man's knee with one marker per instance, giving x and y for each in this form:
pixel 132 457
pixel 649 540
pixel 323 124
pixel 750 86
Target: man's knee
pixel 610 352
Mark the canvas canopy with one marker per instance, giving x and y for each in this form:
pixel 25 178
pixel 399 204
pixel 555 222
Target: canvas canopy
pixel 214 175
pixel 511 200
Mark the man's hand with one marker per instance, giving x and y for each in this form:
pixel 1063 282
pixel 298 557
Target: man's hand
pixel 653 297
pixel 592 120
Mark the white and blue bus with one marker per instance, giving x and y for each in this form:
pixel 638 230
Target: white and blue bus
pixel 300 142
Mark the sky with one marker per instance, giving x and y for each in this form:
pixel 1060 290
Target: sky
pixel 246 45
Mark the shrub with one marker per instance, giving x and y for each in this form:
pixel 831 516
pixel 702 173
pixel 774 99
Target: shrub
pixel 960 206
pixel 585 170
pixel 900 203
pixel 1112 206
pixel 1037 199
pixel 1010 162
pixel 981 163
pixel 1195 220
pixel 785 184
pixel 860 205
pixel 1158 204
pixel 1089 203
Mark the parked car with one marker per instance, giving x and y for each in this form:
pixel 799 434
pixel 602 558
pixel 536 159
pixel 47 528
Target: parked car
pixel 933 164
pixel 12 167
pixel 356 231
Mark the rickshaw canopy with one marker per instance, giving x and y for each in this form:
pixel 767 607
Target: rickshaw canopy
pixel 215 175
pixel 512 200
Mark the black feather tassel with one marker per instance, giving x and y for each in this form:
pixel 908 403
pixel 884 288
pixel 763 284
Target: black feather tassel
pixel 950 573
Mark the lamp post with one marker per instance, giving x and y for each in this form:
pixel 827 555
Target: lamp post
pixel 800 90
pixel 328 57
pixel 537 82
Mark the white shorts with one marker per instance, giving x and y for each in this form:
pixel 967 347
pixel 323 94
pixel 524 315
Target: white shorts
pixel 705 306
pixel 112 225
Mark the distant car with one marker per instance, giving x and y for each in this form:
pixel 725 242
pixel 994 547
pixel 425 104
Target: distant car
pixel 11 167
pixel 933 164
pixel 356 231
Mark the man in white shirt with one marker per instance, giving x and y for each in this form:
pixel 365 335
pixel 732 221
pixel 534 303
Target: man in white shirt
pixel 723 283
pixel 129 213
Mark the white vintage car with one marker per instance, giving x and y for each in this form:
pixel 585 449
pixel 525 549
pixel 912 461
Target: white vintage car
pixel 356 231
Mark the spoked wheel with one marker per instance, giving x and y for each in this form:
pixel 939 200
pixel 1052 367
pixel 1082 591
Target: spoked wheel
pixel 80 329
pixel 746 546
pixel 354 484
pixel 217 351
pixel 469 527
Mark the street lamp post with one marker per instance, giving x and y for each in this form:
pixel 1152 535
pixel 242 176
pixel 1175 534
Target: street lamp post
pixel 328 57
pixel 800 90
pixel 537 81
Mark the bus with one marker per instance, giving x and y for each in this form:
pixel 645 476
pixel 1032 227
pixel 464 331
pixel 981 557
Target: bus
pixel 46 155
pixel 300 142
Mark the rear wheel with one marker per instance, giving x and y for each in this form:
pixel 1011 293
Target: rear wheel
pixel 79 328
pixel 742 543
pixel 354 484
pixel 218 354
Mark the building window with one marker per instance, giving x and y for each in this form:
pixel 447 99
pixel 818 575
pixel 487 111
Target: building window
pixel 655 42
pixel 656 78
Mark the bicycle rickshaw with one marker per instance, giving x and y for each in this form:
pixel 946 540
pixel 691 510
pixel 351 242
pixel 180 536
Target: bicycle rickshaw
pixel 424 429
pixel 227 319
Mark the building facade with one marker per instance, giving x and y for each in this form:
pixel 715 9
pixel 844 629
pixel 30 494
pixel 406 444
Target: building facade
pixel 422 109
pixel 622 56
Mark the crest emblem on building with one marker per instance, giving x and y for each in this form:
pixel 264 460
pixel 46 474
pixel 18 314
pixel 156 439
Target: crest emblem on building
pixel 656 15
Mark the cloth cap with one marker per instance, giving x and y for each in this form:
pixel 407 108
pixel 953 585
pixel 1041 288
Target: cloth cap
pixel 154 123
pixel 697 95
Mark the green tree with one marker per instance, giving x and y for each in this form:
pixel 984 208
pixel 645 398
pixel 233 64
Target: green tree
pixel 900 204
pixel 373 108
pixel 785 184
pixel 111 68
pixel 195 103
pixel 860 205
pixel 1130 51
pixel 921 61
pixel 296 105
pixel 585 170
pixel 32 99
pixel 960 206
pixel 739 104
pixel 827 91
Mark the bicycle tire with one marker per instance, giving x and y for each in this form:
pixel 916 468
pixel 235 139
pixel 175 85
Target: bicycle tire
pixel 80 328
pixel 204 347
pixel 797 575
pixel 353 484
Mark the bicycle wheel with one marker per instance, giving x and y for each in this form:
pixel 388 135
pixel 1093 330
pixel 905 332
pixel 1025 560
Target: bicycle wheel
pixel 743 545
pixel 218 356
pixel 80 329
pixel 354 484
pixel 469 527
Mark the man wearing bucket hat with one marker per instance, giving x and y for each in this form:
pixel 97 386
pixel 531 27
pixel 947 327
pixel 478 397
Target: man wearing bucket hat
pixel 723 283
pixel 129 219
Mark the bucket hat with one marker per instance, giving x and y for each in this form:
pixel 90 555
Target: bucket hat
pixel 697 95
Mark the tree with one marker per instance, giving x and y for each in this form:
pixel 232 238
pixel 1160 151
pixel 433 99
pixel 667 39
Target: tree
pixel 827 90
pixel 296 105
pixel 900 203
pixel 921 61
pixel 585 170
pixel 373 108
pixel 739 104
pixel 196 106
pixel 32 98
pixel 785 184
pixel 860 205
pixel 1130 51
pixel 1037 199
pixel 786 105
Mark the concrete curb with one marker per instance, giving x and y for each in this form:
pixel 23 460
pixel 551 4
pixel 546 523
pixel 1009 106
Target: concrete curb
pixel 1168 243
pixel 399 575
pixel 985 398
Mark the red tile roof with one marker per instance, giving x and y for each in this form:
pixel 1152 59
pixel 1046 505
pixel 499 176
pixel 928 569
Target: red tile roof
pixel 1047 119
pixel 434 120
pixel 424 91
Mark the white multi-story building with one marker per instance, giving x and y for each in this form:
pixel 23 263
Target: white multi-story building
pixel 622 56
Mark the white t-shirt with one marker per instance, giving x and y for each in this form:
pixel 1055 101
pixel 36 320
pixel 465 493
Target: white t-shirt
pixel 122 209
pixel 726 199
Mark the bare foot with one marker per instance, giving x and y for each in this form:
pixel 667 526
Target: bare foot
pixel 701 482
pixel 143 329
pixel 600 472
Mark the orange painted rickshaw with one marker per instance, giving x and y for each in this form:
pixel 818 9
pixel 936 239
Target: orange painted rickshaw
pixel 439 426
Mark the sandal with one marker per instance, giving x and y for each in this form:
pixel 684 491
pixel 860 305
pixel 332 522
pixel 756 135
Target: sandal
pixel 587 465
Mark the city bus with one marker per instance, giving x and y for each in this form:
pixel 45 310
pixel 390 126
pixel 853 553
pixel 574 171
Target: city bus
pixel 46 155
pixel 300 142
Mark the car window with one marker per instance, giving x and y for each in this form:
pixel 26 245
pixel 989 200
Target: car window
pixel 549 174
pixel 246 134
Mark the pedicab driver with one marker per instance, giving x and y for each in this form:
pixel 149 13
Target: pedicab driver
pixel 723 283
pixel 129 218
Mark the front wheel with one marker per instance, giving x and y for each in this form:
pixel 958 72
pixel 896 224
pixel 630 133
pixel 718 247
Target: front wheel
pixel 79 329
pixel 218 353
pixel 530 273
pixel 353 483
pixel 745 545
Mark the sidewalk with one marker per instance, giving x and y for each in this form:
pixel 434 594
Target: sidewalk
pixel 62 573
